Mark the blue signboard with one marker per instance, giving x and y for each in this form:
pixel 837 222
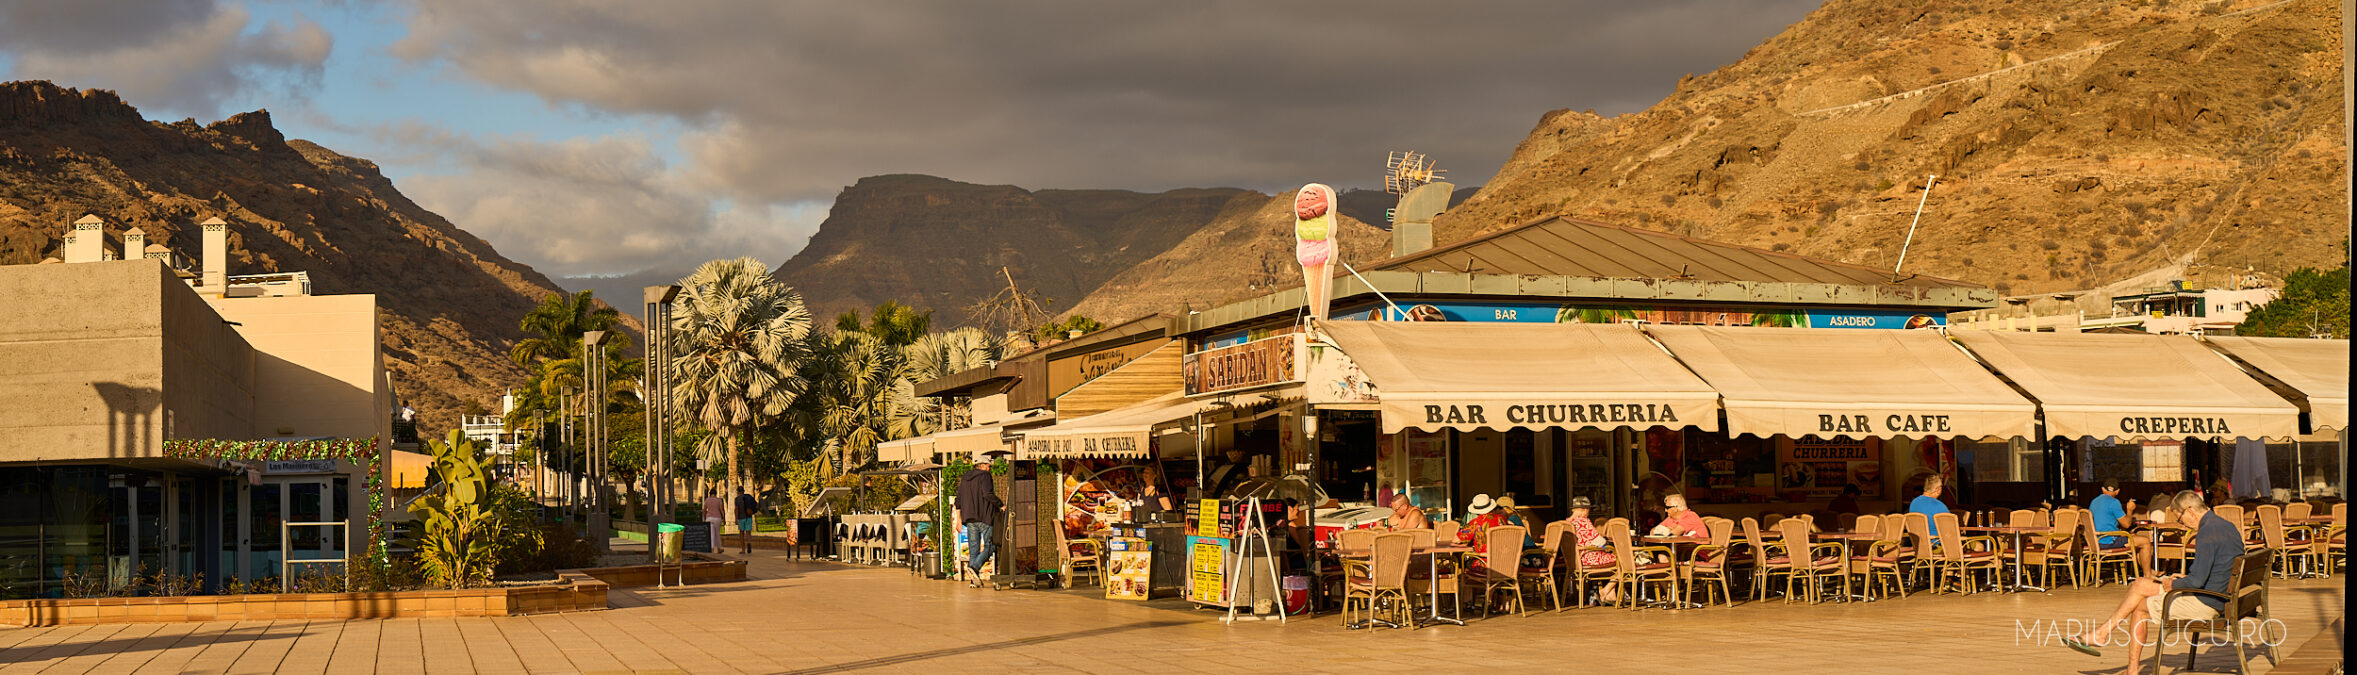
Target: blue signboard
pixel 1537 312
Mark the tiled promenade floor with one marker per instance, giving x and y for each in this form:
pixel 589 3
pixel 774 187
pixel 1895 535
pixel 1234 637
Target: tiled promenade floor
pixel 826 618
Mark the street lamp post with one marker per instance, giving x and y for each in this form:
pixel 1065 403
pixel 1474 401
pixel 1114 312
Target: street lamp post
pixel 593 375
pixel 657 394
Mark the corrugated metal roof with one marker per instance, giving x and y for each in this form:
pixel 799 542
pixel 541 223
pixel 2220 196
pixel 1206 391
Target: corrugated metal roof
pixel 1558 246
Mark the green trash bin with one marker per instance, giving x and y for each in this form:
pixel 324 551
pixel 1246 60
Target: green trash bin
pixel 668 537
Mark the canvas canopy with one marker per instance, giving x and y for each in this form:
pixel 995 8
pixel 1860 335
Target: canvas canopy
pixel 2317 369
pixel 1830 382
pixel 2134 386
pixel 1467 376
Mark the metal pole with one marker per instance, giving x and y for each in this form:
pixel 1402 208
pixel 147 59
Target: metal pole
pixel 1927 181
pixel 657 395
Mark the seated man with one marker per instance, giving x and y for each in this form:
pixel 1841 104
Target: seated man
pixel 2216 544
pixel 2110 516
pixel 1405 515
pixel 1680 521
pixel 1929 503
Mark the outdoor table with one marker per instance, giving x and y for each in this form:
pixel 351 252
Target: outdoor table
pixel 1432 556
pixel 2020 575
pixel 1849 539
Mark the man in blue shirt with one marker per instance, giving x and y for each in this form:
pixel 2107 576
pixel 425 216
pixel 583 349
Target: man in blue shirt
pixel 2216 543
pixel 2111 517
pixel 1929 503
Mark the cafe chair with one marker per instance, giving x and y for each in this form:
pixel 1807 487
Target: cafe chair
pixel 2335 538
pixel 1384 592
pixel 1582 575
pixel 2097 554
pixel 2246 600
pixel 1637 567
pixel 1814 564
pixel 1848 522
pixel 1711 562
pixel 2297 513
pixel 1545 576
pixel 1354 564
pixel 2058 547
pixel 1421 581
pixel 2290 545
pixel 1446 530
pixel 1957 557
pixel 1767 561
pixel 1501 568
pixel 1918 527
pixel 1881 565
pixel 2233 513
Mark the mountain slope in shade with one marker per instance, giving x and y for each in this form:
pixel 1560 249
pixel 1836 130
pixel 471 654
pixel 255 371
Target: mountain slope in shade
pixel 1246 251
pixel 940 244
pixel 2076 143
pixel 449 303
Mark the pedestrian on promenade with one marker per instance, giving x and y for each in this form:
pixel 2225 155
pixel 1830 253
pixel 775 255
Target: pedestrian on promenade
pixel 714 513
pixel 2216 543
pixel 746 507
pixel 978 506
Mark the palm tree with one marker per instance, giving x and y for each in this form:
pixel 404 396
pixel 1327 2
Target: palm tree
pixel 553 352
pixel 862 396
pixel 939 355
pixel 739 339
pixel 1571 314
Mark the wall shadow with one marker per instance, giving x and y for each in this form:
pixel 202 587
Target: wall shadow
pixel 130 412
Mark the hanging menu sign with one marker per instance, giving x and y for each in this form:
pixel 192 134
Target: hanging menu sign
pixel 1258 363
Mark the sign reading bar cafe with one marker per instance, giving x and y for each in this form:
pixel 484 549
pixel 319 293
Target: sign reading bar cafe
pixel 1259 363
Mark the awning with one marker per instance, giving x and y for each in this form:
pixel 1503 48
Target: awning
pixel 906 450
pixel 2318 369
pixel 972 441
pixel 2134 386
pixel 1468 376
pixel 1831 382
pixel 1121 432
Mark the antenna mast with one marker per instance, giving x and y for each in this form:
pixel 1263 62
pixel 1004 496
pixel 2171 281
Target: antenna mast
pixel 1927 181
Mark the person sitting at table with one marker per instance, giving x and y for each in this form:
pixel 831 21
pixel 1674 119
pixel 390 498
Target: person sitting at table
pixel 1680 521
pixel 2110 516
pixel 1484 512
pixel 2216 543
pixel 1405 515
pixel 1594 550
pixel 1929 503
pixel 1513 514
pixel 1847 501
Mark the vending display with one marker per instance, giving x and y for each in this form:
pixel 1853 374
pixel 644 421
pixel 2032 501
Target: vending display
pixel 1129 566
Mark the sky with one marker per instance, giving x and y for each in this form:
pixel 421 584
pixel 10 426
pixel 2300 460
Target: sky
pixel 597 138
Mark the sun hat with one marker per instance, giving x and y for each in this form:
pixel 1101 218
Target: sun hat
pixel 1507 502
pixel 1579 502
pixel 1482 504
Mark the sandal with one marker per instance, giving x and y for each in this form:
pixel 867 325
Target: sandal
pixel 2081 646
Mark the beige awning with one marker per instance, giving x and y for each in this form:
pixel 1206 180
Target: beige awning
pixel 1522 376
pixel 972 441
pixel 1121 432
pixel 2134 386
pixel 1831 382
pixel 906 450
pixel 2318 369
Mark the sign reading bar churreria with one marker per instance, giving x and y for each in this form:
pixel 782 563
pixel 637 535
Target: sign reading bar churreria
pixel 1429 414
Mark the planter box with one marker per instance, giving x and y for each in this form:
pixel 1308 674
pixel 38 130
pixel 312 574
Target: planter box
pixel 574 592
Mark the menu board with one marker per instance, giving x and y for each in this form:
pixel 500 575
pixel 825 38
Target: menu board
pixel 1821 466
pixel 1128 563
pixel 1207 571
pixel 1207 520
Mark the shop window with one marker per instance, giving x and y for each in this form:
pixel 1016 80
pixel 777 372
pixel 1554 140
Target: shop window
pixel 2162 462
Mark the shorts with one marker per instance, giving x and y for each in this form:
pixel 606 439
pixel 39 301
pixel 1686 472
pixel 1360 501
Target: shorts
pixel 744 526
pixel 2184 607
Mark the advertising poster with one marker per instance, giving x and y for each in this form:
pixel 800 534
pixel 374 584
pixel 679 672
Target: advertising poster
pixel 1821 466
pixel 1207 573
pixel 1128 563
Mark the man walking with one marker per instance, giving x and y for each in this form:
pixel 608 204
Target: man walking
pixel 978 506
pixel 714 513
pixel 746 507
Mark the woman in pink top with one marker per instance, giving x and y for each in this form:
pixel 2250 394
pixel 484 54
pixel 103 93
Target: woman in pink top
pixel 1584 536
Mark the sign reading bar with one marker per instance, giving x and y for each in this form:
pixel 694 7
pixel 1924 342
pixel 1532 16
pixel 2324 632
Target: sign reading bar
pixel 1258 363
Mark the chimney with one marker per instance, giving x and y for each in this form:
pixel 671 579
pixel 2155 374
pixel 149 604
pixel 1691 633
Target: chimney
pixel 1411 221
pixel 135 244
pixel 87 241
pixel 216 254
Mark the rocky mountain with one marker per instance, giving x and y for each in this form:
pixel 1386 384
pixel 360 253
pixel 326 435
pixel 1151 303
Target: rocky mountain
pixel 1246 250
pixel 2076 144
pixel 449 303
pixel 940 244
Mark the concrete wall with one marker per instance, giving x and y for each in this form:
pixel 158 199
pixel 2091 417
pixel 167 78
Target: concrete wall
pixel 87 370
pixel 317 367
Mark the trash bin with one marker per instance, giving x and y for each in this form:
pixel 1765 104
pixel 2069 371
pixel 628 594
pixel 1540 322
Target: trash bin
pixel 668 537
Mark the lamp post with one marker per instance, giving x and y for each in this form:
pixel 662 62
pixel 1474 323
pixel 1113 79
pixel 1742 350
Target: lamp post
pixel 593 375
pixel 657 394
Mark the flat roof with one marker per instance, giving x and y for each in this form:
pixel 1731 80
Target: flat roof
pixel 1569 247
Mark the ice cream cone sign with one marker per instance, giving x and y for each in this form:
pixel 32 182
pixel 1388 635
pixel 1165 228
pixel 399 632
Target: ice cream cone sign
pixel 1314 229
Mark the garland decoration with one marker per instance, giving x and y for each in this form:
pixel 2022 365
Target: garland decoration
pixel 361 451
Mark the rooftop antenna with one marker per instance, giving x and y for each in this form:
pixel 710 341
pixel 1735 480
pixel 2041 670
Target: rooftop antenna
pixel 1927 181
pixel 1406 170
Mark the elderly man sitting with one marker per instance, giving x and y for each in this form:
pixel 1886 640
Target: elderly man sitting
pixel 1405 515
pixel 2216 543
pixel 1681 521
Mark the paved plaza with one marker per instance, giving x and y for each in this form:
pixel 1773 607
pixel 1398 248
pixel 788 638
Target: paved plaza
pixel 805 617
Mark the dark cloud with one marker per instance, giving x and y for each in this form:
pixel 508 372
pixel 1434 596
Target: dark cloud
pixel 791 101
pixel 183 56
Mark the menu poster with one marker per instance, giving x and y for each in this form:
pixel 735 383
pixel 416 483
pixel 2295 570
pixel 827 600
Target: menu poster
pixel 1207 573
pixel 1207 520
pixel 1128 563
pixel 1821 467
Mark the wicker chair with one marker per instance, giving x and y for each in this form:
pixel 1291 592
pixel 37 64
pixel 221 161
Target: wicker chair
pixel 1548 576
pixel 1387 581
pixel 1420 583
pixel 1351 568
pixel 1812 564
pixel 1767 561
pixel 2095 554
pixel 2290 544
pixel 1956 557
pixel 2233 514
pixel 1083 560
pixel 1882 565
pixel 1446 530
pixel 2058 547
pixel 1633 575
pixel 1501 567
pixel 1848 522
pixel 2246 600
pixel 2335 538
pixel 1919 537
pixel 1710 562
